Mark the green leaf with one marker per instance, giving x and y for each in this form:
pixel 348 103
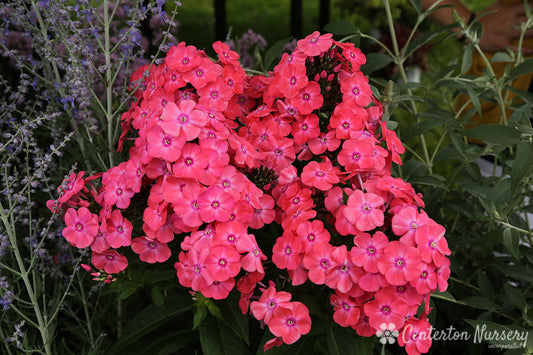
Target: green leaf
pixel 430 180
pixel 480 303
pixel 515 296
pixel 217 339
pixel 149 319
pixel 494 134
pixel 525 68
pixel 274 53
pixel 340 27
pixel 485 286
pixel 375 61
pixel 417 5
pixel 500 57
pixel 340 341
pixel 234 319
pixel 199 315
pixel 511 241
pixel 522 166
pixel 467 59
pixel 213 308
pixel 157 297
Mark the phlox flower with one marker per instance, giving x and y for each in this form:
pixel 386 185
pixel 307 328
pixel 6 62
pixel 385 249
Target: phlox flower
pixel 431 243
pixel 215 95
pixel 204 73
pixel 324 142
pixel 405 223
pixel 292 78
pixel 319 262
pixel 357 155
pixel 150 250
pixel 110 261
pixel 229 233
pixel 426 281
pixel 305 129
pixel 99 243
pixel 192 162
pixel 364 210
pixel 416 336
pixel 315 44
pixel 290 322
pixel 223 262
pixel 393 143
pixel 270 300
pixel 252 261
pixel 345 274
pixel 346 310
pixel 117 193
pixel 264 214
pixel 386 308
pixel 71 186
pixel 118 230
pixel 320 175
pixel 400 263
pixel 192 271
pixel 244 152
pixel 182 58
pixel 286 252
pixel 184 119
pixel 155 216
pixel 367 250
pixel 219 290
pixel 81 227
pixel 308 98
pixel 311 233
pixel 215 204
pixel 225 54
pixel 356 88
pixel 163 145
pixel 353 54
pixel 187 206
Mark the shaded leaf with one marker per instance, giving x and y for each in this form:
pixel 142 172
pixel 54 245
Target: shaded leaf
pixel 521 69
pixel 467 59
pixel 494 134
pixel 340 341
pixel 480 303
pixel 375 61
pixel 515 296
pixel 234 319
pixel 217 339
pixel 157 297
pixel 522 166
pixel 511 241
pixel 340 27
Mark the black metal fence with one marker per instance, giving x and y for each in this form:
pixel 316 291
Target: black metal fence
pixel 295 17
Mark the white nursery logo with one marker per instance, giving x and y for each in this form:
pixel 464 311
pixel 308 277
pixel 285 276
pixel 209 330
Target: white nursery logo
pixel 387 333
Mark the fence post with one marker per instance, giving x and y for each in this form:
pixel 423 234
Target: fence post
pixel 220 19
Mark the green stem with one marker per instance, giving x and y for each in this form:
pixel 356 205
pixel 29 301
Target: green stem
pixel 399 60
pixel 108 84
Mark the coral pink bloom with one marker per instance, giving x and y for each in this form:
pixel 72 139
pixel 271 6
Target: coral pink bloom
pixel 71 186
pixel 291 79
pixel 225 54
pixel 117 193
pixel 219 290
pixel 81 227
pixel 386 308
pixel 356 88
pixel 400 263
pixel 431 243
pixel 202 74
pixel 443 274
pixel 367 250
pixel 325 141
pixel 315 44
pixel 353 54
pixel 231 181
pixel 155 216
pixel 150 250
pixel 183 119
pixel 253 260
pixel 372 282
pixel 427 281
pixel 364 210
pixel 99 244
pixel 182 58
pixel 290 323
pixel 320 175
pixel 286 252
pixel 223 262
pixel 192 271
pixel 362 327
pixel 345 274
pixel 163 145
pixel 118 230
pixel 215 95
pixel 192 162
pixel 186 206
pixel 215 204
pixel 229 233
pixel 311 233
pixel 319 262
pixel 406 222
pixel 270 301
pixel 305 129
pixel 308 98
pixel 416 336
pixel 394 144
pixel 264 214
pixel 346 310
pixel 357 155
pixel 110 261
